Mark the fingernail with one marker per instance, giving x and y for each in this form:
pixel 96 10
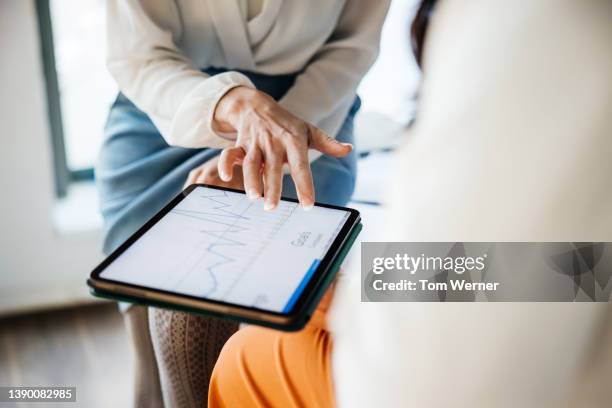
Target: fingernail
pixel 347 145
pixel 223 176
pixel 269 205
pixel 253 194
pixel 307 207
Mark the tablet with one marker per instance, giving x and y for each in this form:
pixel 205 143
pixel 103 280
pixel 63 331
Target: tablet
pixel 213 251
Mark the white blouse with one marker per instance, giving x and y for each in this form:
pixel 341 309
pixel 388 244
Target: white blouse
pixel 156 49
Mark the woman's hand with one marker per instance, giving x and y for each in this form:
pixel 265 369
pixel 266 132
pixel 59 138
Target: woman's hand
pixel 208 173
pixel 268 137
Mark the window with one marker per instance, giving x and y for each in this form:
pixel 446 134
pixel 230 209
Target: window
pixel 389 88
pixel 79 89
pixel 388 91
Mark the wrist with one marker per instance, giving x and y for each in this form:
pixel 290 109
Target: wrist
pixel 230 107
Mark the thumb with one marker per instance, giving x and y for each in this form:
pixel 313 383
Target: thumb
pixel 320 141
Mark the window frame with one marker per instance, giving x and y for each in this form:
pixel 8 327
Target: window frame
pixel 63 174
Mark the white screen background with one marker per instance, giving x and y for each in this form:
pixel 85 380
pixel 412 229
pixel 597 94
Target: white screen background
pixel 219 245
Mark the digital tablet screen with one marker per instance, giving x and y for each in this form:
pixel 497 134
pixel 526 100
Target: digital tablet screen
pixel 219 245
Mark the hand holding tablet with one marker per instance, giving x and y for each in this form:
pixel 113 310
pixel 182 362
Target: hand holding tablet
pixel 213 251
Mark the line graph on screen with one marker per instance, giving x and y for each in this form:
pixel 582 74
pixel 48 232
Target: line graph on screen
pixel 231 234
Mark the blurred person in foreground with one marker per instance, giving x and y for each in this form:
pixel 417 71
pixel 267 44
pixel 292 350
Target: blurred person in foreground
pixel 512 143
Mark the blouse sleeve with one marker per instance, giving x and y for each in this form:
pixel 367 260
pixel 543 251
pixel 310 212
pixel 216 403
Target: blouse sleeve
pixel 158 78
pixel 330 80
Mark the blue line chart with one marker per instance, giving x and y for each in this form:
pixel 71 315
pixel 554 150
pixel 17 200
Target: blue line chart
pixel 219 208
pixel 234 231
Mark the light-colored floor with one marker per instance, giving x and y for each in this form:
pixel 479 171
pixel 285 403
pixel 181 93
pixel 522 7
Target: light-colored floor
pixel 84 347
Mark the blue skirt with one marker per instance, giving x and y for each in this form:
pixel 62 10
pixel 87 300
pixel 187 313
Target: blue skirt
pixel 138 173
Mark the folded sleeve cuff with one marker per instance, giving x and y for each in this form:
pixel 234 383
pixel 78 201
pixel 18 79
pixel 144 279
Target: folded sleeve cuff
pixel 192 125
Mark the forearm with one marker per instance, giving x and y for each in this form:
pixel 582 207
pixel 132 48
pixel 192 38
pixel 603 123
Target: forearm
pixel 159 78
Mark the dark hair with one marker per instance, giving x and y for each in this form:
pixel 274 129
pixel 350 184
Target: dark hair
pixel 418 29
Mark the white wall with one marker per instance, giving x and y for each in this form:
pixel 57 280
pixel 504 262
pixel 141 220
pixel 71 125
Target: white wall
pixel 38 265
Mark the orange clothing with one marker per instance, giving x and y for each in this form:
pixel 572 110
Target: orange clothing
pixel 261 367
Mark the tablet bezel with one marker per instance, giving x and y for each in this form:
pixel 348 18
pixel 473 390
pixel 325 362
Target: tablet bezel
pixel 131 292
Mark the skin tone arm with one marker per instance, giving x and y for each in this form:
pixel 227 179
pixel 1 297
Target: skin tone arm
pixel 268 136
